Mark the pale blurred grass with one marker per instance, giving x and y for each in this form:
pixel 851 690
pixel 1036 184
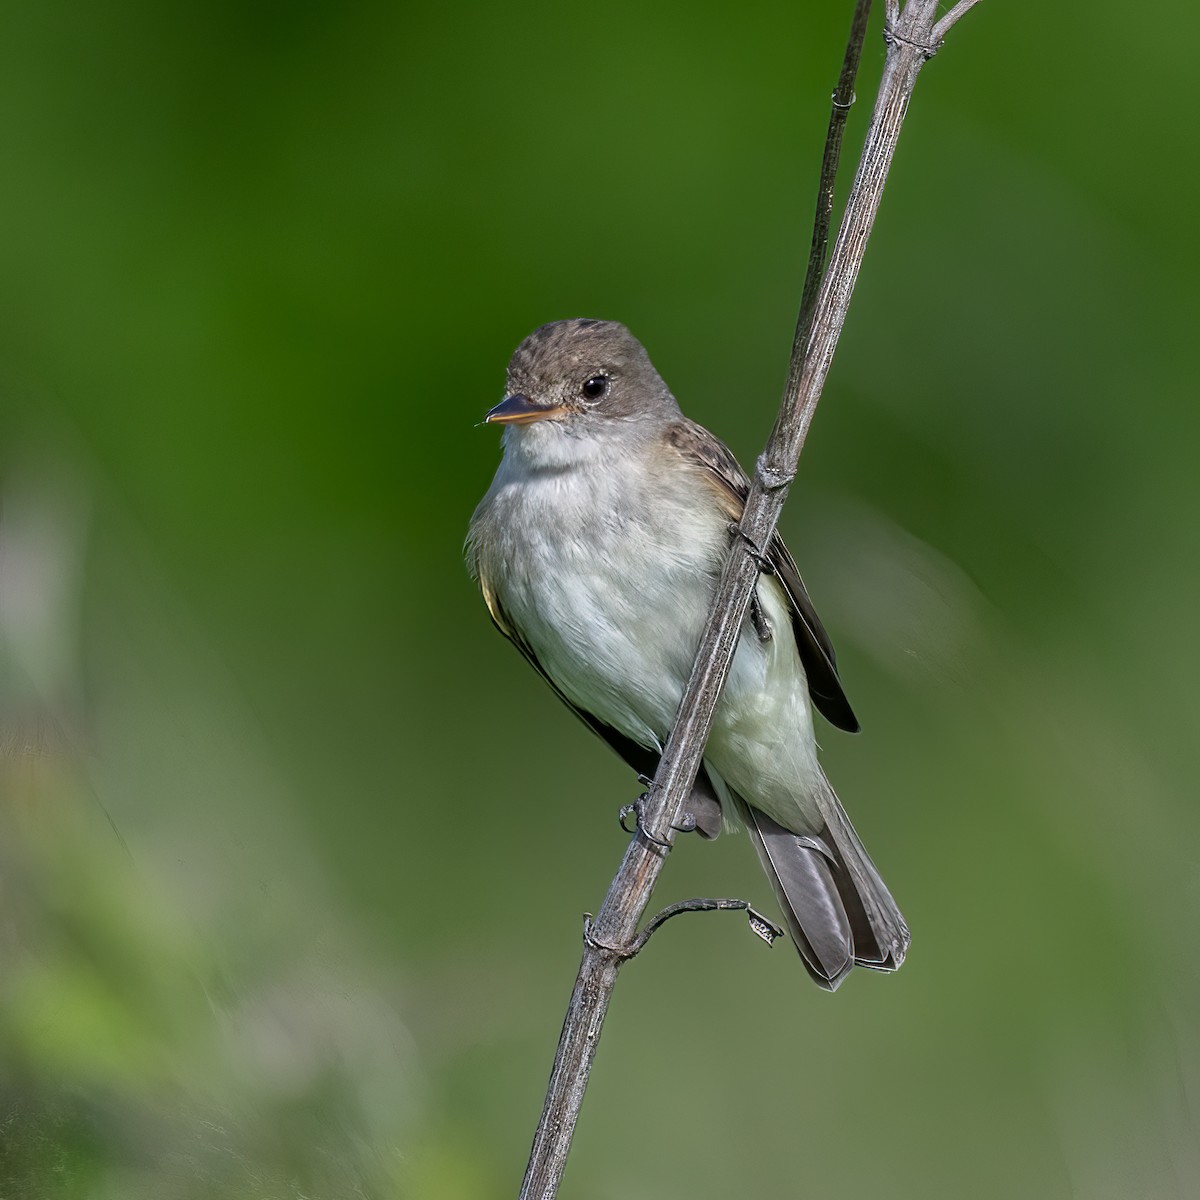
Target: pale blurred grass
pixel 185 1012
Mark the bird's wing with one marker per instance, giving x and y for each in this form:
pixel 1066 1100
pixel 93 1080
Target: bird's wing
pixel 695 444
pixel 642 760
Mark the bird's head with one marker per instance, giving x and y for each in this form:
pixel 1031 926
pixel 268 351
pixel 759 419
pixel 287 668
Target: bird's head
pixel 579 380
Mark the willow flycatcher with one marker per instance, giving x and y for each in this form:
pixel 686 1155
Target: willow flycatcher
pixel 597 549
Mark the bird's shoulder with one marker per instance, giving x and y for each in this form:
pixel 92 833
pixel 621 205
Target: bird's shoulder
pixel 705 453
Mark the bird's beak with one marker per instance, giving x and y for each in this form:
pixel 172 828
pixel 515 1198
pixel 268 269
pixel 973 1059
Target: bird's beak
pixel 520 410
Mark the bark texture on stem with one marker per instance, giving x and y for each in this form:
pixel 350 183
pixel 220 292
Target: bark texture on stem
pixel 611 938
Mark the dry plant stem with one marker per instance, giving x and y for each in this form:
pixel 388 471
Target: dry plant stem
pixel 951 19
pixel 910 42
pixel 843 98
pixel 767 930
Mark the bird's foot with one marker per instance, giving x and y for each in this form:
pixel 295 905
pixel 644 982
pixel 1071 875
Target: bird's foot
pixel 687 821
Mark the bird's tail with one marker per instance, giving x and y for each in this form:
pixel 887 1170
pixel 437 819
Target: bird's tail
pixel 837 908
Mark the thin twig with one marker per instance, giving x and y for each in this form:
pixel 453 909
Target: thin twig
pixel 952 18
pixel 843 98
pixel 613 934
pixel 759 925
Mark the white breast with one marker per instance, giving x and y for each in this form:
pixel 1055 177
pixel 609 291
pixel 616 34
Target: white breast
pixel 607 572
pixel 607 568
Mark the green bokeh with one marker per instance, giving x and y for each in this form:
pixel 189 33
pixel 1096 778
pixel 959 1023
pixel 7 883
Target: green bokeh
pixel 294 847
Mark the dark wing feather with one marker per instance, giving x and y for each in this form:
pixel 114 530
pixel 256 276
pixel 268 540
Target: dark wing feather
pixel 816 651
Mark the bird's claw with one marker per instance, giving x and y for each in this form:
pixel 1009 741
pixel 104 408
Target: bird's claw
pixel 687 822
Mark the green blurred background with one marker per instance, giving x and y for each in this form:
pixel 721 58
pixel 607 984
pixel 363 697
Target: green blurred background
pixel 294 847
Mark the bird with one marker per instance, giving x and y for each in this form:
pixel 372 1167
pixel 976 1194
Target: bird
pixel 597 549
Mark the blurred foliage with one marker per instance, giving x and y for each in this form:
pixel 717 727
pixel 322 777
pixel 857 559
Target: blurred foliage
pixel 290 894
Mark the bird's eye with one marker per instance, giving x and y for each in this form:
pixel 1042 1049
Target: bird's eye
pixel 595 387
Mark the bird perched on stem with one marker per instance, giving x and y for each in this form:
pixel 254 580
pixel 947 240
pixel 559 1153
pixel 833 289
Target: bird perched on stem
pixel 598 548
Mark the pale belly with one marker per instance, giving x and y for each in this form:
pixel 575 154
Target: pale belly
pixel 614 611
